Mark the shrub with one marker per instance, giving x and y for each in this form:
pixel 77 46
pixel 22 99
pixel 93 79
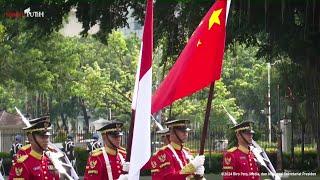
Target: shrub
pixel 6 163
pixel 81 160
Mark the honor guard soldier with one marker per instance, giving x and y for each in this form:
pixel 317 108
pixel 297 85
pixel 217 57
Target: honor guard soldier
pixel 107 162
pixel 165 138
pixel 173 161
pixel 68 148
pixel 35 165
pixel 239 162
pixel 94 144
pixel 15 147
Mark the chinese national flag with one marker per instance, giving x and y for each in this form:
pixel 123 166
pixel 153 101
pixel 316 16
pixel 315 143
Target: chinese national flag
pixel 200 62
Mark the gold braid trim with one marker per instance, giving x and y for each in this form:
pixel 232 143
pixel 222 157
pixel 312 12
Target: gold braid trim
pixel 111 130
pixel 164 164
pixel 243 128
pixel 188 169
pixel 38 129
pixel 155 170
pixel 227 167
pixel 177 125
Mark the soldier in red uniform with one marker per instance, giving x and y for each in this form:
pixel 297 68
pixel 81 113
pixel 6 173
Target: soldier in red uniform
pixel 107 162
pixel 165 138
pixel 173 161
pixel 35 165
pixel 239 162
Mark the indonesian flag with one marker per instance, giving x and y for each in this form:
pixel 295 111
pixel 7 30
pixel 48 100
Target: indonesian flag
pixel 141 103
pixel 200 62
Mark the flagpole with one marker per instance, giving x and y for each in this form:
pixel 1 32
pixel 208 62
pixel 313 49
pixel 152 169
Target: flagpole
pixel 206 123
pixel 206 119
pixel 129 139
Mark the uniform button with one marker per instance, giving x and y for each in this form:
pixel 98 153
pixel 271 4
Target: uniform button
pixel 44 172
pixel 250 164
pixel 119 171
pixel 46 177
pixel 118 166
pixel 43 167
pixel 251 169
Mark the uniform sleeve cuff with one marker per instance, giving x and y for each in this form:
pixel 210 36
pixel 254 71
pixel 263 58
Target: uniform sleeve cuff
pixel 188 169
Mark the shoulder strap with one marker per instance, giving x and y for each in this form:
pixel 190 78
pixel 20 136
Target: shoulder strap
pixel 108 166
pixel 175 155
pixel 121 158
pixel 187 154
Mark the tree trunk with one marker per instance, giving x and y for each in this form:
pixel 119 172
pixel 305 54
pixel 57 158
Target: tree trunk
pixel 63 118
pixel 85 116
pixel 303 130
pixel 293 120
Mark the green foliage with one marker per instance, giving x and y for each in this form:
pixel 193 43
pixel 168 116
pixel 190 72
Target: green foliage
pixel 4 155
pixel 81 156
pixel 53 72
pixel 245 76
pixel 60 137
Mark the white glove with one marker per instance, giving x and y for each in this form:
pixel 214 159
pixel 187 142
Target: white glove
pixel 123 177
pixel 126 166
pixel 198 161
pixel 200 171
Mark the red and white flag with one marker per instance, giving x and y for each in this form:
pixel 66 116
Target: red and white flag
pixel 200 62
pixel 141 102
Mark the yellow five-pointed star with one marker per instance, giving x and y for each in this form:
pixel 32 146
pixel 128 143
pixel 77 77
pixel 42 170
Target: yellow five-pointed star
pixel 214 18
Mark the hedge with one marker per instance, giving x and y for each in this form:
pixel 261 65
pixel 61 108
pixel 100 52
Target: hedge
pixel 213 163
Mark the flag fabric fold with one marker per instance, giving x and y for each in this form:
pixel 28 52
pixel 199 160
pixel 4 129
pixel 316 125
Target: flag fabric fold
pixel 200 62
pixel 141 103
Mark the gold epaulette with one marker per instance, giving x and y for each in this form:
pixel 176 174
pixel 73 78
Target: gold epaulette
pixel 232 149
pixel 187 149
pixel 163 147
pixel 25 147
pixel 96 152
pixel 122 150
pixel 22 158
pixel 51 148
pixel 160 149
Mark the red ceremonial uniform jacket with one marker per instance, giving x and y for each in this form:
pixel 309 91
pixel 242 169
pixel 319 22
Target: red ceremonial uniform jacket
pixel 165 166
pixel 239 164
pixel 33 166
pixel 96 166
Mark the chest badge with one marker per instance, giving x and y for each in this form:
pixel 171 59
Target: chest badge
pixel 227 160
pixel 162 157
pixel 18 171
pixel 92 164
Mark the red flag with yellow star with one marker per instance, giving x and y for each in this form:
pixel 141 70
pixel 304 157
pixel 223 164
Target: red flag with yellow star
pixel 200 62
